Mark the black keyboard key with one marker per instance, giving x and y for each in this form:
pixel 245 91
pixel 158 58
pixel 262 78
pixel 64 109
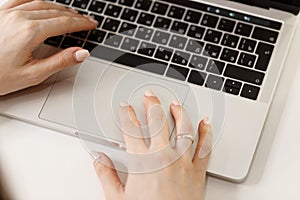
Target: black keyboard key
pixel 247 45
pixel 195 46
pixel 126 2
pixel 54 41
pixel 71 42
pixel 111 24
pixel 82 12
pixel 113 40
pixel 176 12
pixel 130 44
pixel 264 52
pixel 161 37
pixel 164 53
pixel 114 1
pixel 226 25
pixel 144 33
pixel 143 4
pixel 216 67
pixel 112 10
pixel 177 72
pixel 130 60
pixel 229 55
pixel 197 77
pixel 193 17
pixel 230 40
pixel 196 32
pixel 129 15
pixel 162 23
pixel 160 8
pixel 210 21
pixel 80 3
pixel 212 50
pixel 179 27
pixel 250 92
pixel 89 46
pixel 198 62
pixel 214 82
pixel 97 6
pixel 232 87
pixel 247 60
pixel 146 19
pixel 181 58
pixel 80 34
pixel 66 2
pixel 98 18
pixel 243 29
pixel 178 42
pixel 147 49
pixel 265 35
pixel 244 74
pixel 213 36
pixel 127 29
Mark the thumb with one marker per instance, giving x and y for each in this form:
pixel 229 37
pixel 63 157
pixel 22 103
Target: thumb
pixel 46 67
pixel 112 186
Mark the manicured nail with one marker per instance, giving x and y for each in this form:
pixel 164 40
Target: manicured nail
pixel 123 104
pixel 81 55
pixel 149 93
pixel 176 103
pixel 91 18
pixel 98 159
pixel 206 121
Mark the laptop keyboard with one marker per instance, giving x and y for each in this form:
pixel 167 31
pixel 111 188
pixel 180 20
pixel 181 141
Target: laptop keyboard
pixel 184 40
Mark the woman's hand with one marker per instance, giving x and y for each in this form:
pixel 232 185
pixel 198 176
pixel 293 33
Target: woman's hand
pixel 24 25
pixel 177 173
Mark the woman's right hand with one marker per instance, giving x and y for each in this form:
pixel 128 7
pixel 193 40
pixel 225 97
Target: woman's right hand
pixel 183 178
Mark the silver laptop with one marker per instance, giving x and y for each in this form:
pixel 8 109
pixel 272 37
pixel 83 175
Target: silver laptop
pixel 221 59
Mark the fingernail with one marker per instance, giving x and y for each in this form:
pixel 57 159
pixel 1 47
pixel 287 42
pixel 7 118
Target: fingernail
pixel 206 121
pixel 98 159
pixel 176 103
pixel 149 93
pixel 81 55
pixel 91 18
pixel 123 104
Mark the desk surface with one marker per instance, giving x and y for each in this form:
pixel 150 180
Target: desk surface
pixel 38 163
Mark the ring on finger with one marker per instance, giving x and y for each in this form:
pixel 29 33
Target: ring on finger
pixel 185 136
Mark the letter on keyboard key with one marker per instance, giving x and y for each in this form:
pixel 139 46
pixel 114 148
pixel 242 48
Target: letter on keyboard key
pixel 196 32
pixel 176 12
pixel 177 72
pixel 97 6
pixel 147 49
pixel 244 74
pixel 143 4
pixel 210 21
pixel 181 58
pixel 160 8
pixel 164 53
pixel 193 17
pixel 212 50
pixel 178 42
pixel 161 37
pixel 80 3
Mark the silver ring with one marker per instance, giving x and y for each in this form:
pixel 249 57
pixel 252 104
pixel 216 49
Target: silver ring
pixel 185 136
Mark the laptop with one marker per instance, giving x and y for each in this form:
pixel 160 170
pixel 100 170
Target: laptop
pixel 220 59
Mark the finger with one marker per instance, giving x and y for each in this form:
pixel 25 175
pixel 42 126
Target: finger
pixel 57 26
pixel 203 149
pixel 47 14
pixel 131 129
pixel 157 121
pixel 184 126
pixel 14 3
pixel 111 183
pixel 39 5
pixel 42 69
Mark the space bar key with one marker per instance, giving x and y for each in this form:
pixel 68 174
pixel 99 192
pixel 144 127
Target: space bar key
pixel 129 59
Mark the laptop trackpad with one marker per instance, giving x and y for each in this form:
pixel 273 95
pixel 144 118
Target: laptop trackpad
pixel 119 85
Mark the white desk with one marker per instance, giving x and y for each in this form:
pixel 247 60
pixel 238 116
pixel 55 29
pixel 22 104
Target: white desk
pixel 39 164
